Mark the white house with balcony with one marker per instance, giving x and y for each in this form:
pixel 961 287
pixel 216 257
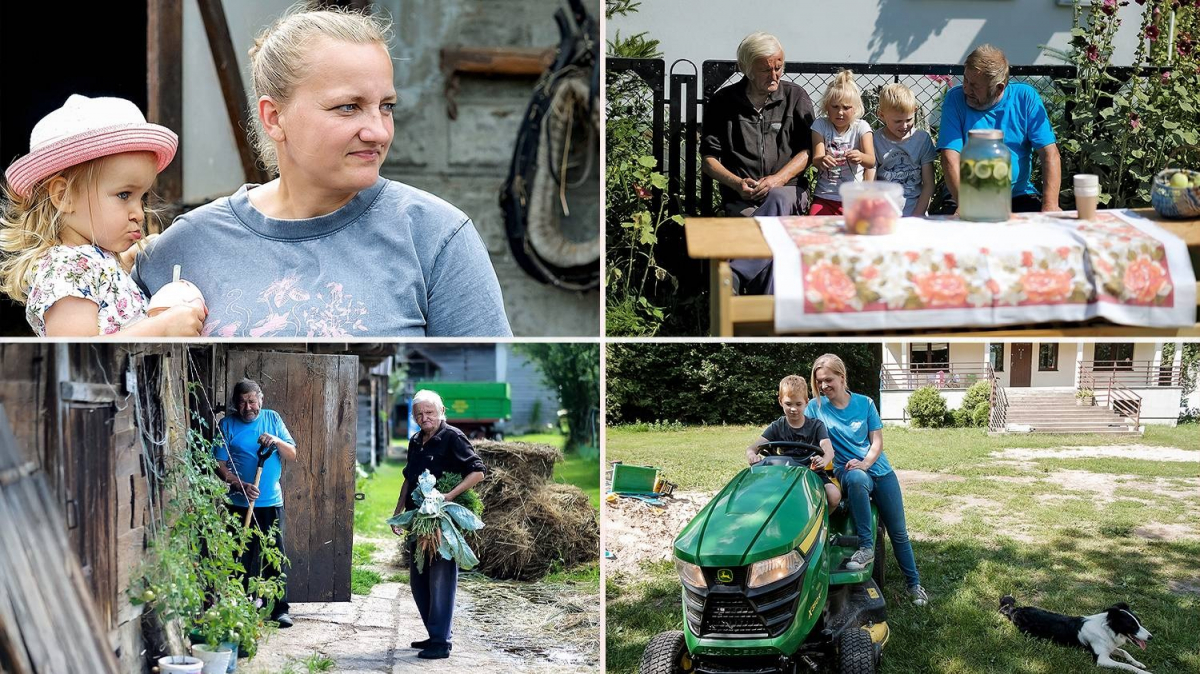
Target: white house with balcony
pixel 1041 386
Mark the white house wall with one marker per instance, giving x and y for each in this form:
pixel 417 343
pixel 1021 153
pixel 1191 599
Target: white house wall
pixel 1159 405
pixel 862 31
pixel 1064 376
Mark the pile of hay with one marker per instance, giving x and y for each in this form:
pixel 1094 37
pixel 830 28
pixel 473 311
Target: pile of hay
pixel 531 522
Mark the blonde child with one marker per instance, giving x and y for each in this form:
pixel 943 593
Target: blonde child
pixel 905 153
pixel 842 143
pixel 72 206
pixel 795 426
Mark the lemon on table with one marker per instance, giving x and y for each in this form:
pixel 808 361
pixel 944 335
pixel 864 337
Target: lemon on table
pixel 983 170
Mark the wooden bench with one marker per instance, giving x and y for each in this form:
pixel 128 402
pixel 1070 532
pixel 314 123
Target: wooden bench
pixel 720 239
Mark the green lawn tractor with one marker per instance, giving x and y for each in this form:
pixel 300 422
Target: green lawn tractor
pixel 765 584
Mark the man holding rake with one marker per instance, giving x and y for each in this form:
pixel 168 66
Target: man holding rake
pixel 252 444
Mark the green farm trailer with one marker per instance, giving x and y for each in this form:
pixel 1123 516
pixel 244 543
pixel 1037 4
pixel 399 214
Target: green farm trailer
pixel 474 406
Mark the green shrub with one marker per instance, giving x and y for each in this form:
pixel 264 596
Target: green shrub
pixel 959 418
pixel 979 392
pixel 716 383
pixel 981 415
pixel 927 408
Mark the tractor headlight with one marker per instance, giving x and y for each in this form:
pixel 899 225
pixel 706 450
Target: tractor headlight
pixel 690 574
pixel 771 570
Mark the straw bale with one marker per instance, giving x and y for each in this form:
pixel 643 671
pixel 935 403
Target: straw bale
pixel 553 523
pixel 529 462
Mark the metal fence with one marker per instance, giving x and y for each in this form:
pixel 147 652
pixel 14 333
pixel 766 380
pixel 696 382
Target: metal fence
pixel 675 122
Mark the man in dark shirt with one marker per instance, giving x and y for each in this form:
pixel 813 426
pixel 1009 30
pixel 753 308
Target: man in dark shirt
pixel 439 448
pixel 756 143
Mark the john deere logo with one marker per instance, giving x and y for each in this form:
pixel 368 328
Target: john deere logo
pixel 460 406
pixel 724 576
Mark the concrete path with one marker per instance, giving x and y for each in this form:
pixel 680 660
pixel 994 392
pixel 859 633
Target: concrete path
pixel 371 634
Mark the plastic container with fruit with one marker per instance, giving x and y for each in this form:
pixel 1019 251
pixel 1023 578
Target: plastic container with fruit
pixel 1176 193
pixel 985 177
pixel 871 206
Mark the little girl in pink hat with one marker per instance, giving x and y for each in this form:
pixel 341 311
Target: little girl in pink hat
pixel 72 206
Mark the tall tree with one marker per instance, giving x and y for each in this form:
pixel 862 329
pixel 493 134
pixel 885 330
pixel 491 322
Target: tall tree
pixel 574 371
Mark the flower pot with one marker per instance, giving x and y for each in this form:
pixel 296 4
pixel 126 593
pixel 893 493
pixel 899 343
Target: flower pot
pixel 180 664
pixel 233 657
pixel 215 661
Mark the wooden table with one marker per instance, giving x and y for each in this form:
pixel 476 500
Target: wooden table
pixel 719 240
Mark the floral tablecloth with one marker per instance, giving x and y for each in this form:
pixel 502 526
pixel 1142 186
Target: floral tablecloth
pixel 943 273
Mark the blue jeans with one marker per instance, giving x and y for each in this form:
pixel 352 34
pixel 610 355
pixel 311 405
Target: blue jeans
pixel 434 591
pixel 858 486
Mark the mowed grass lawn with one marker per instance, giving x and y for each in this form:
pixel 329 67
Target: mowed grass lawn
pixel 1074 535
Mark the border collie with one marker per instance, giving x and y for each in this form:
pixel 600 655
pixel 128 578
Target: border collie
pixel 1103 634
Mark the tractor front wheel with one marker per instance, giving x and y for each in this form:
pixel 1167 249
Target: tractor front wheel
pixel 667 654
pixel 856 653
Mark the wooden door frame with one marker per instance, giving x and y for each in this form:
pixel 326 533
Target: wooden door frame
pixel 340 392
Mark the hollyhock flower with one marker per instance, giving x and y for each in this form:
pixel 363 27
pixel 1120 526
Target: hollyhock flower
pixel 1135 122
pixel 1093 53
pixel 1152 33
pixel 642 192
pixel 1109 7
pixel 1166 76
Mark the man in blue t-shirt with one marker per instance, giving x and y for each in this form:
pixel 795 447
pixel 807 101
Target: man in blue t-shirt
pixel 986 100
pixel 242 431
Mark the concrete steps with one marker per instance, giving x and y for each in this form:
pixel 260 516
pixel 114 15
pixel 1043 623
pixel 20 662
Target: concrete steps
pixel 1055 410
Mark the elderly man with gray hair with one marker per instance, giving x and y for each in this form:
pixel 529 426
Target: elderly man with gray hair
pixel 987 100
pixel 244 429
pixel 439 448
pixel 756 142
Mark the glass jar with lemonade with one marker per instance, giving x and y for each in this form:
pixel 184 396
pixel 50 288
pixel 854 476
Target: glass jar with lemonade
pixel 985 181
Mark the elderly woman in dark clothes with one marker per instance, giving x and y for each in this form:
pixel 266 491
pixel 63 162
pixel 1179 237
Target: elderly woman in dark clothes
pixel 439 448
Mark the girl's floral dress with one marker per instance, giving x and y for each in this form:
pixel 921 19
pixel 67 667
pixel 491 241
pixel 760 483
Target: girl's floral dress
pixel 88 272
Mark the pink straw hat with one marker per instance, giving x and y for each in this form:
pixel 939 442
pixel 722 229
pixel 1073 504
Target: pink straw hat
pixel 84 129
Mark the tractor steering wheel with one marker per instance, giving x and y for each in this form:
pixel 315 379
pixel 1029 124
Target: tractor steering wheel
pixel 803 455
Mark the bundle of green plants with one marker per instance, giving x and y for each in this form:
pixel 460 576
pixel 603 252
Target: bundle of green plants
pixel 469 499
pixel 436 526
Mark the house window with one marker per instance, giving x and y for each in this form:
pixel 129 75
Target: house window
pixel 929 354
pixel 996 357
pixel 1111 357
pixel 1048 358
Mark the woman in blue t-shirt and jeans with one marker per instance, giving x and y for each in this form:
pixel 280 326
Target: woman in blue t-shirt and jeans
pixel 861 467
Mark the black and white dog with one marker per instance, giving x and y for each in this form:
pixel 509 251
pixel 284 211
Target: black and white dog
pixel 1103 634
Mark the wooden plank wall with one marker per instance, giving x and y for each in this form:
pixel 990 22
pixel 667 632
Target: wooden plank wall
pixel 23 392
pixel 316 396
pixel 48 623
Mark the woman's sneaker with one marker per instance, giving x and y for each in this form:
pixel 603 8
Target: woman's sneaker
pixel 860 559
pixel 919 596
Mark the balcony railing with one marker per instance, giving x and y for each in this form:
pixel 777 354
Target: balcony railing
pixel 938 375
pixel 1096 374
pixel 997 400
